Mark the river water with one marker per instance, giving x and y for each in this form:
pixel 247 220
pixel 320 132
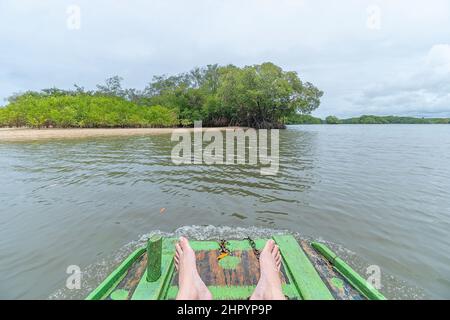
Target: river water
pixel 379 194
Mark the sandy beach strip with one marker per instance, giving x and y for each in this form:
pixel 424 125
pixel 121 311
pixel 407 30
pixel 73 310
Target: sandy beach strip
pixel 25 134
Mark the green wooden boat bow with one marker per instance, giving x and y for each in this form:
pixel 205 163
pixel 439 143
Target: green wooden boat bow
pixel 309 272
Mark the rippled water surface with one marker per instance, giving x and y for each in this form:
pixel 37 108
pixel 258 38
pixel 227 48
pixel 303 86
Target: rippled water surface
pixel 381 192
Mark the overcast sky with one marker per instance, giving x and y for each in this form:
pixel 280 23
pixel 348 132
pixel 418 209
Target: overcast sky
pixel 369 57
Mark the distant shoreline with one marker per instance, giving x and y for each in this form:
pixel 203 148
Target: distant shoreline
pixel 32 134
pixel 364 119
pixel 29 134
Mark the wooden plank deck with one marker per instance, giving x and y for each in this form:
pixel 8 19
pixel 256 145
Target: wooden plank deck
pixel 305 274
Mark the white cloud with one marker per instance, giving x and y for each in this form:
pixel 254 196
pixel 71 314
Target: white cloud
pixel 438 58
pixel 327 42
pixel 422 91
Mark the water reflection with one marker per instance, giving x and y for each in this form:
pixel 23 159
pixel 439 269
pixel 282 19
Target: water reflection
pixel 72 201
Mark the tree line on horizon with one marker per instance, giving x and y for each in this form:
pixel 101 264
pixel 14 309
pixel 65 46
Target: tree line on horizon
pixel 364 119
pixel 258 96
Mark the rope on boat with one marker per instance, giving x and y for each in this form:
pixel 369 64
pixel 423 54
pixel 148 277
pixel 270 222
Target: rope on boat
pixel 256 252
pixel 223 251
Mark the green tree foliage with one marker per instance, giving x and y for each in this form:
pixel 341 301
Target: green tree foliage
pixel 370 119
pixel 303 119
pixel 260 96
pixel 84 111
pixel 365 119
pixel 332 120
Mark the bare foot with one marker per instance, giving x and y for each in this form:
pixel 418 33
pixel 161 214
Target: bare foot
pixel 269 284
pixel 191 286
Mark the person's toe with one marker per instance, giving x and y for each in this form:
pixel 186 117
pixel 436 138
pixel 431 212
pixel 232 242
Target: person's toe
pixel 178 249
pixel 184 243
pixel 278 263
pixel 278 259
pixel 275 250
pixel 177 262
pixel 269 246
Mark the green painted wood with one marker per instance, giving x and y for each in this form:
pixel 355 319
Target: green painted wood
pixel 154 255
pixel 338 283
pixel 119 294
pixel 358 282
pixel 157 290
pixel 236 292
pixel 324 251
pixel 112 280
pixel 305 281
pixel 302 271
pixel 233 245
pixel 114 286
